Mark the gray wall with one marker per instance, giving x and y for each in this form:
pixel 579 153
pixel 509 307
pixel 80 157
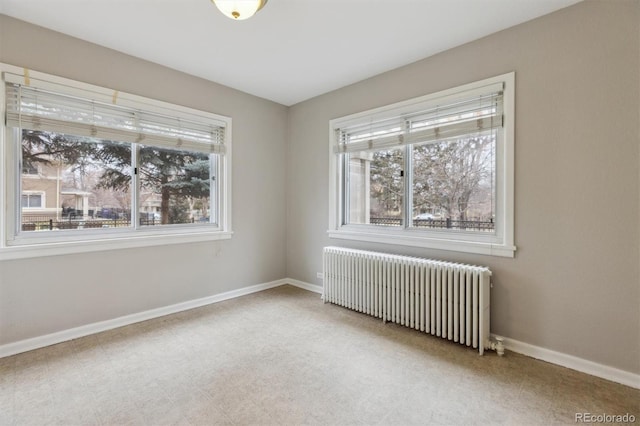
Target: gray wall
pixel 573 286
pixel 48 294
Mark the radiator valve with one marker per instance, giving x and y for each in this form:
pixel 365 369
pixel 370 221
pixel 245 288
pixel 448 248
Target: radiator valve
pixel 498 345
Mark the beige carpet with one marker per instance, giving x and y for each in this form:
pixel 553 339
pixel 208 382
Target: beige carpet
pixel 283 357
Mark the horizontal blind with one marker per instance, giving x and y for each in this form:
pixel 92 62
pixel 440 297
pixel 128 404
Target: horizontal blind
pixel 425 123
pixel 35 108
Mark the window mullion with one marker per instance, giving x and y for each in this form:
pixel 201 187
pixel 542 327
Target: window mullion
pixel 135 186
pixel 214 193
pixel 407 205
pixel 344 158
pixel 17 183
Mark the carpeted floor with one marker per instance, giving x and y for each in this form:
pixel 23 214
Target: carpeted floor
pixel 283 357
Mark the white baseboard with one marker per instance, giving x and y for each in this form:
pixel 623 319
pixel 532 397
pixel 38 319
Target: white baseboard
pixel 574 363
pixel 303 285
pixel 97 327
pixel 569 361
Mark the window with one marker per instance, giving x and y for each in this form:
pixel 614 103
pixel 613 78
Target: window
pixel 86 164
pixel 433 172
pixel 29 169
pixel 31 200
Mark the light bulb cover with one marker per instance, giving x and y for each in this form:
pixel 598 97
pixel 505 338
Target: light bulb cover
pixel 239 10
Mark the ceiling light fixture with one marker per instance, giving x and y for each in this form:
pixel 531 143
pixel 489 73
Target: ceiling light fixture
pixel 239 9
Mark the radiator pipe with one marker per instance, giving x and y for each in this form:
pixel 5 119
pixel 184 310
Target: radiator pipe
pixel 497 346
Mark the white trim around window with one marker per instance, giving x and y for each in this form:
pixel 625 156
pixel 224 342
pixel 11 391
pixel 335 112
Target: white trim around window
pixel 390 127
pixel 214 136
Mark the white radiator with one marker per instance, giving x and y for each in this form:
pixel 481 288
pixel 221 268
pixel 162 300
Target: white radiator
pixel 445 299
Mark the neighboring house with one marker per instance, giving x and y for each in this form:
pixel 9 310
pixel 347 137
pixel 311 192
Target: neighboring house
pixel 44 196
pixel 44 199
pixel 40 198
pixel 76 203
pixel 47 196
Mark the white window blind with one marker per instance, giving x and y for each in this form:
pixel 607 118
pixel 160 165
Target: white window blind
pixel 39 105
pixel 475 112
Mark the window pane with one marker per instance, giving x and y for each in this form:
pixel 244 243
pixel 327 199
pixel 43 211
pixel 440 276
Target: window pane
pixel 35 200
pixel 454 184
pixel 376 187
pixel 85 182
pixel 174 186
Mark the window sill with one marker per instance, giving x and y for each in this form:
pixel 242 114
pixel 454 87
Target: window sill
pixel 406 239
pixel 26 250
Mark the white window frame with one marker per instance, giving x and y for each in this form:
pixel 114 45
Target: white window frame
pixel 15 244
pixel 499 243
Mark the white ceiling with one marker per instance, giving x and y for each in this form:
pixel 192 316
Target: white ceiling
pixel 291 50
